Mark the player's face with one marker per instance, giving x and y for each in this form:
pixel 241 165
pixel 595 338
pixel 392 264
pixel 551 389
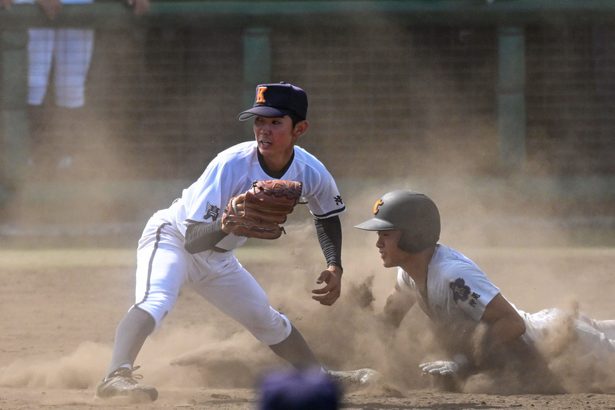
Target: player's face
pixel 274 135
pixel 390 253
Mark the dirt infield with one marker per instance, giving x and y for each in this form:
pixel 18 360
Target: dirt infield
pixel 59 309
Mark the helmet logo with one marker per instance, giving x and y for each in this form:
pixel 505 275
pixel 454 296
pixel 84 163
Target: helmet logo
pixel 260 95
pixel 376 207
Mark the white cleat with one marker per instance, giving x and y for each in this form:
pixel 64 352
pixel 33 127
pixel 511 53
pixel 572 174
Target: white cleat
pixel 355 378
pixel 124 384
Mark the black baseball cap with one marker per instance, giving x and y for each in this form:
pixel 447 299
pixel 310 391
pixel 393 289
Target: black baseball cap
pixel 277 100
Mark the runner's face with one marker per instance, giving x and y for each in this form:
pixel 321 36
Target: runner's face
pixel 274 135
pixel 390 253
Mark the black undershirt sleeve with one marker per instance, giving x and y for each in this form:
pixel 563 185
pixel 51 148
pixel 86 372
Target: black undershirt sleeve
pixel 201 236
pixel 329 232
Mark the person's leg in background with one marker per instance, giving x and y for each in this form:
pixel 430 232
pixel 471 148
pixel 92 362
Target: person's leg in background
pixel 40 58
pixel 72 55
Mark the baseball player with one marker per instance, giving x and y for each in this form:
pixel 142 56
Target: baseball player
pixel 457 296
pixel 71 48
pixel 188 242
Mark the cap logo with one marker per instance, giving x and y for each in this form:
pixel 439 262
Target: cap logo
pixel 376 207
pixel 260 95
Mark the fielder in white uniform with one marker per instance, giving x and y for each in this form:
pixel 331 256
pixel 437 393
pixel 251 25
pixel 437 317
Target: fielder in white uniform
pixel 456 295
pixel 184 244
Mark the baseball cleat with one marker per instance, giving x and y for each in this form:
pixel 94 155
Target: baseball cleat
pixel 355 378
pixel 122 383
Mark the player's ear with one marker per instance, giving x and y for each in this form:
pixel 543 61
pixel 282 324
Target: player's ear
pixel 300 128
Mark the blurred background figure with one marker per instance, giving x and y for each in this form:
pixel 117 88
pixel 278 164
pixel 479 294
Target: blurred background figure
pixel 299 390
pixel 61 55
pixel 70 48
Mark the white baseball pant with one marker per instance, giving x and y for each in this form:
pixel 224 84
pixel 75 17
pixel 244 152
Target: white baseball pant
pixel 596 336
pixel 163 266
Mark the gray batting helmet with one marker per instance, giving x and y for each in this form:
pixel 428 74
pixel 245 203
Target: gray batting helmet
pixel 413 213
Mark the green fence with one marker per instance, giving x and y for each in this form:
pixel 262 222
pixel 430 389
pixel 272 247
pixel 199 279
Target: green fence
pixel 396 87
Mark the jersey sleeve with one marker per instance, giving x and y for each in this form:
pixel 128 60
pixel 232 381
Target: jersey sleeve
pixel 471 291
pixel 322 195
pixel 205 199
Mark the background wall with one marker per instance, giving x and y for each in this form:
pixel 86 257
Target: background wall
pixel 395 100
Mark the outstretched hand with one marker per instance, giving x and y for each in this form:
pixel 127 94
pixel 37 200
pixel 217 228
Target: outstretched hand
pixel 51 8
pixel 139 6
pixel 332 277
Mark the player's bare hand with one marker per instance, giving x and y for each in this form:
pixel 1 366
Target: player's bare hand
pixel 51 8
pixel 332 277
pixel 139 6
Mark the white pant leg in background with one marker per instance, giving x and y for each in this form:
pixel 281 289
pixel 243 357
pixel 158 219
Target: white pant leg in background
pixel 72 51
pixel 226 284
pixel 72 54
pixel 40 54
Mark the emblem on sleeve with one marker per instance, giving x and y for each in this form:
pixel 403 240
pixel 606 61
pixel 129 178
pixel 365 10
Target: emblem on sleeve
pixel 212 212
pixel 338 200
pixel 473 299
pixel 462 292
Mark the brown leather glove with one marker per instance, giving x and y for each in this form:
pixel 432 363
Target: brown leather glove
pixel 261 211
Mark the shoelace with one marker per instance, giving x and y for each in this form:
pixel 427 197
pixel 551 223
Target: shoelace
pixel 128 374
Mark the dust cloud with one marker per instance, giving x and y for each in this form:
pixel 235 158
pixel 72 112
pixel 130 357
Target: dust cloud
pixel 198 346
pixel 75 371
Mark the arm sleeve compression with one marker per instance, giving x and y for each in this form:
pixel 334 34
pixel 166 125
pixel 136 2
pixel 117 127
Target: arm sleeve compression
pixel 329 232
pixel 203 236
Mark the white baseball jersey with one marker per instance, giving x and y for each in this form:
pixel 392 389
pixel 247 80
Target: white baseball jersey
pixel 457 289
pixel 458 292
pixel 234 170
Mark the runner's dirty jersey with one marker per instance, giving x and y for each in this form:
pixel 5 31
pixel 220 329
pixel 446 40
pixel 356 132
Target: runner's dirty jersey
pixel 457 290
